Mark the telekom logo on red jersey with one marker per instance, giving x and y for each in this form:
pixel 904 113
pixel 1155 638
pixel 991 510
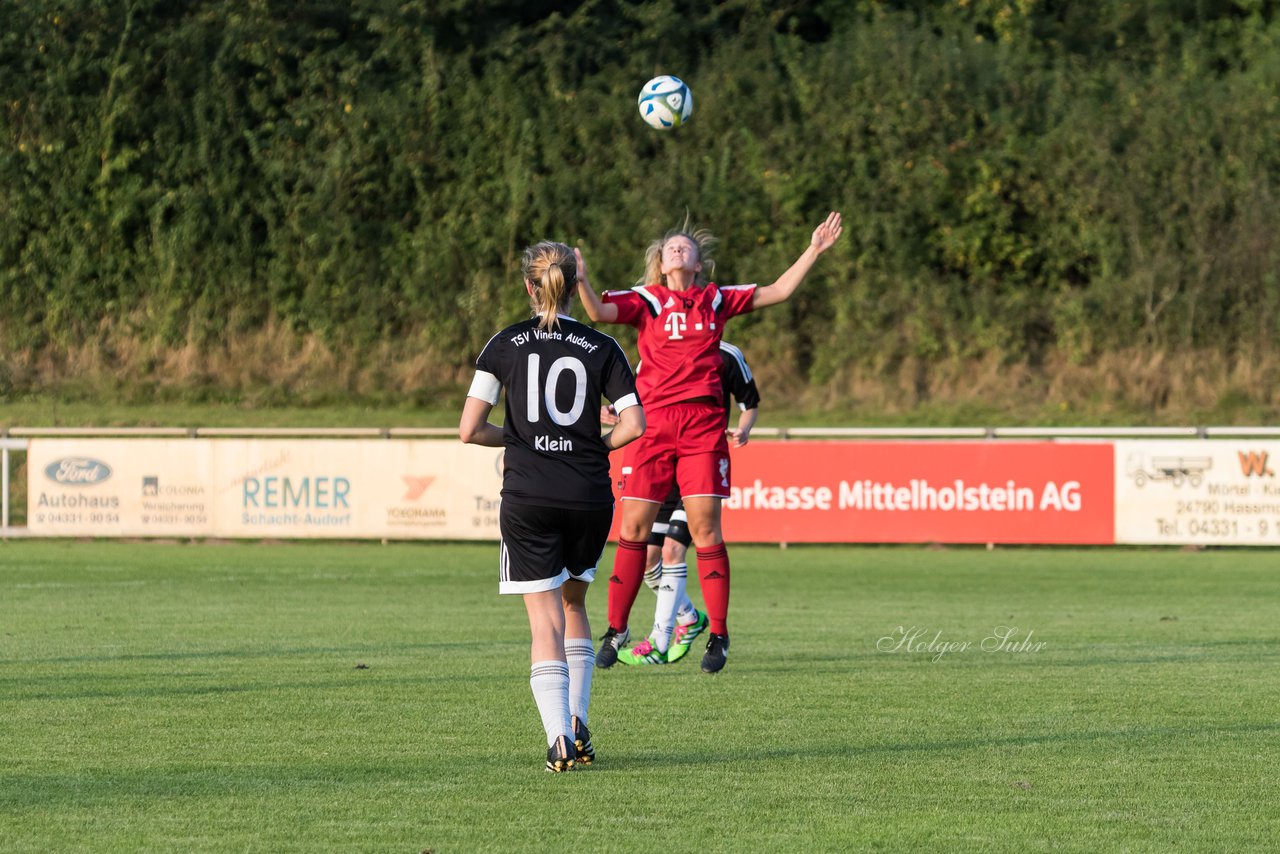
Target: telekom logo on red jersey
pixel 675 324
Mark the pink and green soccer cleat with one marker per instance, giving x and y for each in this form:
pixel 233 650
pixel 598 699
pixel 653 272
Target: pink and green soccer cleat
pixel 643 652
pixel 683 637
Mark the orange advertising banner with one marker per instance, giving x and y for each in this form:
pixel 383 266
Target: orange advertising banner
pixel 921 492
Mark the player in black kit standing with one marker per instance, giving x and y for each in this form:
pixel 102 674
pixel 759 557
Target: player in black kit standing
pixel 557 500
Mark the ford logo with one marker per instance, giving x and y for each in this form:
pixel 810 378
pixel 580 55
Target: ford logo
pixel 77 471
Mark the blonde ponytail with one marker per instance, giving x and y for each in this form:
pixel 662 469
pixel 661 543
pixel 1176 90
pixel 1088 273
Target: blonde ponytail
pixel 552 271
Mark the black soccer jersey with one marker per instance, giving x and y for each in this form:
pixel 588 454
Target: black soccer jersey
pixel 554 380
pixel 736 378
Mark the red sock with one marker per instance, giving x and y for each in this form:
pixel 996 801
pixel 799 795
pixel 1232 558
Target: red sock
pixel 624 584
pixel 713 572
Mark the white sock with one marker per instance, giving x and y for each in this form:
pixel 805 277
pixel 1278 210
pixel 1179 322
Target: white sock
pixel 582 662
pixel 670 592
pixel 686 613
pixel 550 683
pixel 653 575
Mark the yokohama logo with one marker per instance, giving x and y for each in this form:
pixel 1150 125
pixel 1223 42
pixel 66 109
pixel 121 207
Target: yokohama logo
pixel 415 486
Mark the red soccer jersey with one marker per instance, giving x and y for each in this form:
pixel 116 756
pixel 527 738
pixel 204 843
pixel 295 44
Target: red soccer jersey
pixel 680 337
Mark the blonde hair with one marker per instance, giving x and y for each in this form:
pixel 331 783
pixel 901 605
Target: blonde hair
pixel 701 238
pixel 553 272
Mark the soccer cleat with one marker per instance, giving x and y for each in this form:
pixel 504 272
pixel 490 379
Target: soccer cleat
pixel 607 654
pixel 683 637
pixel 561 755
pixel 717 652
pixel 582 743
pixel 643 653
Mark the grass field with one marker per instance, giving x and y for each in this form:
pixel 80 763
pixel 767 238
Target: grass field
pixel 356 697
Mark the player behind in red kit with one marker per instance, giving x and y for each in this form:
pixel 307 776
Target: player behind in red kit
pixel 681 317
pixel 676 622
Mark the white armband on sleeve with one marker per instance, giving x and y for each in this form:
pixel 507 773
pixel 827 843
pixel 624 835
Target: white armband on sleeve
pixel 625 402
pixel 485 387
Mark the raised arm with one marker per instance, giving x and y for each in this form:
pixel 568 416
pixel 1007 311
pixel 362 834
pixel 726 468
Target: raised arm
pixel 824 236
pixel 598 311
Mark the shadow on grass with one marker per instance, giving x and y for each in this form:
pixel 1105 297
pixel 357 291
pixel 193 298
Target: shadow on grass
pixel 272 652
pixel 776 754
pixel 92 787
pixel 268 688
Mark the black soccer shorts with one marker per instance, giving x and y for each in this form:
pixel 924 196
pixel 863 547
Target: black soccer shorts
pixel 543 547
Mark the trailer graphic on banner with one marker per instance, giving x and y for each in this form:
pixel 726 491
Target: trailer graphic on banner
pixel 1207 491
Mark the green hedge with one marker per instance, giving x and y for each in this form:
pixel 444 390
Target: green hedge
pixel 1018 177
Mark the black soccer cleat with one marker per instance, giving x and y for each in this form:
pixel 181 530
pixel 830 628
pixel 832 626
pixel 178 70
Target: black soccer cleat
pixel 607 654
pixel 561 755
pixel 717 652
pixel 582 743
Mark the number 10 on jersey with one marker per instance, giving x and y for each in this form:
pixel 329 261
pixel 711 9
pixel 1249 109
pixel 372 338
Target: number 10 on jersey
pixel 558 368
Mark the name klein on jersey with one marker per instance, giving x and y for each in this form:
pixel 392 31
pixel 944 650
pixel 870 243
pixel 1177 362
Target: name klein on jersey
pixel 548 443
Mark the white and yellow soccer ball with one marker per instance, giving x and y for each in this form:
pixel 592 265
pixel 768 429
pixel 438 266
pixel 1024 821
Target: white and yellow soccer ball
pixel 665 102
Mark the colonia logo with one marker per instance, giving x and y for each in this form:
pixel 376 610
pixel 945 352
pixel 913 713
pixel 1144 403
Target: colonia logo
pixel 77 471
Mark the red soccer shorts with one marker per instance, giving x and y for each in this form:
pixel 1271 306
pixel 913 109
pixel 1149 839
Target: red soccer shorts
pixel 684 444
